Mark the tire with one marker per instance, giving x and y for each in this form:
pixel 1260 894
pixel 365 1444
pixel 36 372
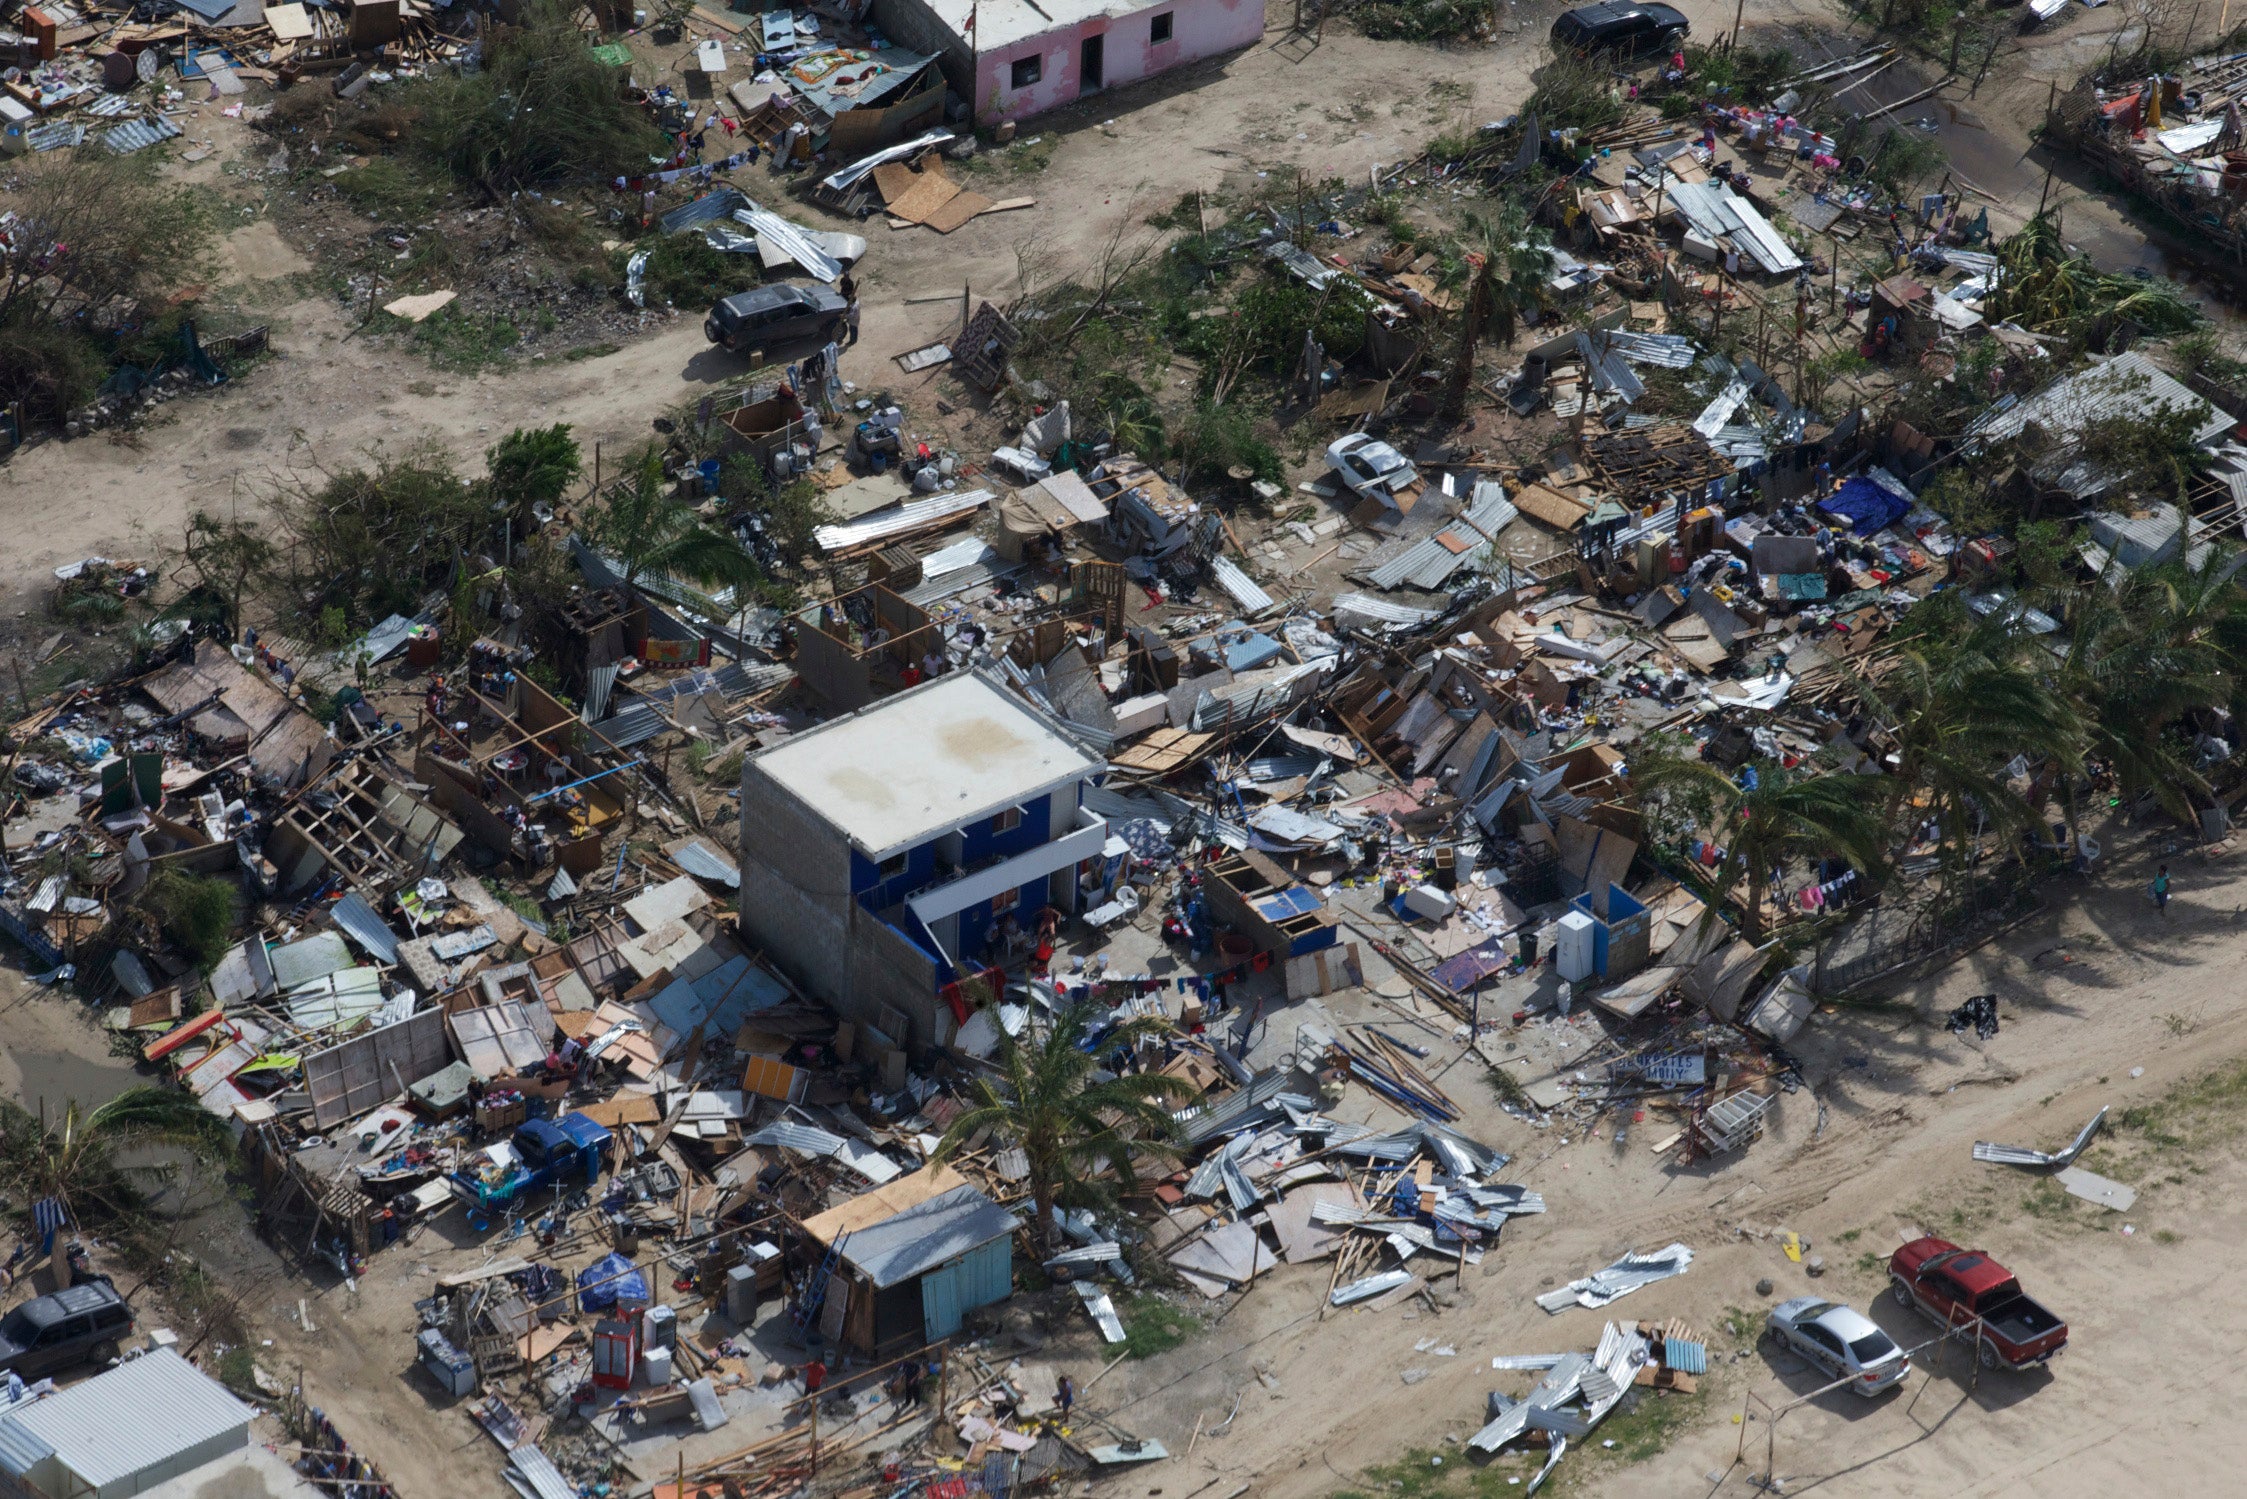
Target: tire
pixel 833 332
pixel 1902 1291
pixel 104 1352
pixel 1671 40
pixel 1990 1359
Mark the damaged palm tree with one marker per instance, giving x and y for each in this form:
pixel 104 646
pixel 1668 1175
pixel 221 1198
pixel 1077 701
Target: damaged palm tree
pixel 2046 288
pixel 648 534
pixel 76 1161
pixel 1765 817
pixel 1072 1123
pixel 1495 301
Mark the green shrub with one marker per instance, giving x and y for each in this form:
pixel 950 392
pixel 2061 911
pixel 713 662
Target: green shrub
pixel 199 914
pixel 543 109
pixel 684 271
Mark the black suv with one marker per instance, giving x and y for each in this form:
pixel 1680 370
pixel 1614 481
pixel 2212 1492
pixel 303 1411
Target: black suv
pixel 1616 26
pixel 80 1324
pixel 777 314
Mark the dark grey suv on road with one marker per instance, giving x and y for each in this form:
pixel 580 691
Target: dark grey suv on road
pixel 781 313
pixel 1618 26
pixel 81 1324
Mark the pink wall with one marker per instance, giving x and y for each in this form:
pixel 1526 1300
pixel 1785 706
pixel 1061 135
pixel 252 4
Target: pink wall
pixel 1199 28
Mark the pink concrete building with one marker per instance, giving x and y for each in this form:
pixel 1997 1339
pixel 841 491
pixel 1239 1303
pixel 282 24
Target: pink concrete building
pixel 1016 58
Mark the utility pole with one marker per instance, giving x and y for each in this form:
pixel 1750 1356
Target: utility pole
pixel 1996 36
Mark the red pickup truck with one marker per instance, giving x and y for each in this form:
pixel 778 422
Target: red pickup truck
pixel 1956 1286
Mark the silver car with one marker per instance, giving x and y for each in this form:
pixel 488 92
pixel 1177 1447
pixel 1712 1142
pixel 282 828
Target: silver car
pixel 1843 1341
pixel 1370 466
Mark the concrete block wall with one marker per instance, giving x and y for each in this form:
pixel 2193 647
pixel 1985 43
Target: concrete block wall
pixel 795 888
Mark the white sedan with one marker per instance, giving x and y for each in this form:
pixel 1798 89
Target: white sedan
pixel 1370 466
pixel 1842 1341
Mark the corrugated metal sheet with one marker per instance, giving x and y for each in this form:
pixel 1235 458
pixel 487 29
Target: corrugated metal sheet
pixel 1665 349
pixel 1227 575
pixel 1685 1356
pixel 704 862
pixel 134 1418
pixel 1715 212
pixel 710 206
pixel 539 1474
pixel 2019 1155
pixel 1431 562
pixel 907 517
pixel 1302 264
pixel 1204 1123
pixel 2126 385
pixel 1609 372
pixel 20 1451
pixel 135 135
pixel 795 1136
pixel 792 240
pixel 600 681
pixel 360 923
pixel 924 1236
pixel 1367 611
pixel 1619 1279
pixel 635 725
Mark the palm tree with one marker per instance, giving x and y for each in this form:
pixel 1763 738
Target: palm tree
pixel 1495 303
pixel 2165 640
pixel 1963 696
pixel 1782 814
pixel 650 534
pixel 1070 1124
pixel 74 1160
pixel 531 465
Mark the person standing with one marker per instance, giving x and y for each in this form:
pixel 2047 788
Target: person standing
pixel 2161 889
pixel 1065 1395
pixel 851 314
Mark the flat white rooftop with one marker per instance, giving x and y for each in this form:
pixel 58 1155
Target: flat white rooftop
pixel 903 770
pixel 1002 23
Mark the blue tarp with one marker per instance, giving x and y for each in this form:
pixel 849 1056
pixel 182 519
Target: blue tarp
pixel 719 1000
pixel 1866 505
pixel 601 1283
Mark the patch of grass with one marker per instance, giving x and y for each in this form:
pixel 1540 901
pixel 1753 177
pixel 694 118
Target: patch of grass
pixel 1643 1426
pixel 1153 1324
pixel 463 341
pixel 2167 1236
pixel 1740 1325
pixel 390 191
pixel 684 271
pixel 591 351
pixel 522 905
pixel 1850 1235
pixel 1508 1088
pixel 237 1370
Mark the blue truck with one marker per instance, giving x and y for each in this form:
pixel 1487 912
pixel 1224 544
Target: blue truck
pixel 541 1152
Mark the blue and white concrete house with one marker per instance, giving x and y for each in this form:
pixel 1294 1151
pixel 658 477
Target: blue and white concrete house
pixel 880 850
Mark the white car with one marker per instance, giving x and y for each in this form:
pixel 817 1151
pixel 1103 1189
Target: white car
pixel 1842 1341
pixel 1371 467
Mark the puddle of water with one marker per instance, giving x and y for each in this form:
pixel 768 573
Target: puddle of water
pixel 58 1077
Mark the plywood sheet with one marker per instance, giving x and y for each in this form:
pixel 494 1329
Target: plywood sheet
pixel 928 194
pixel 956 211
pixel 894 179
pixel 1301 1240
